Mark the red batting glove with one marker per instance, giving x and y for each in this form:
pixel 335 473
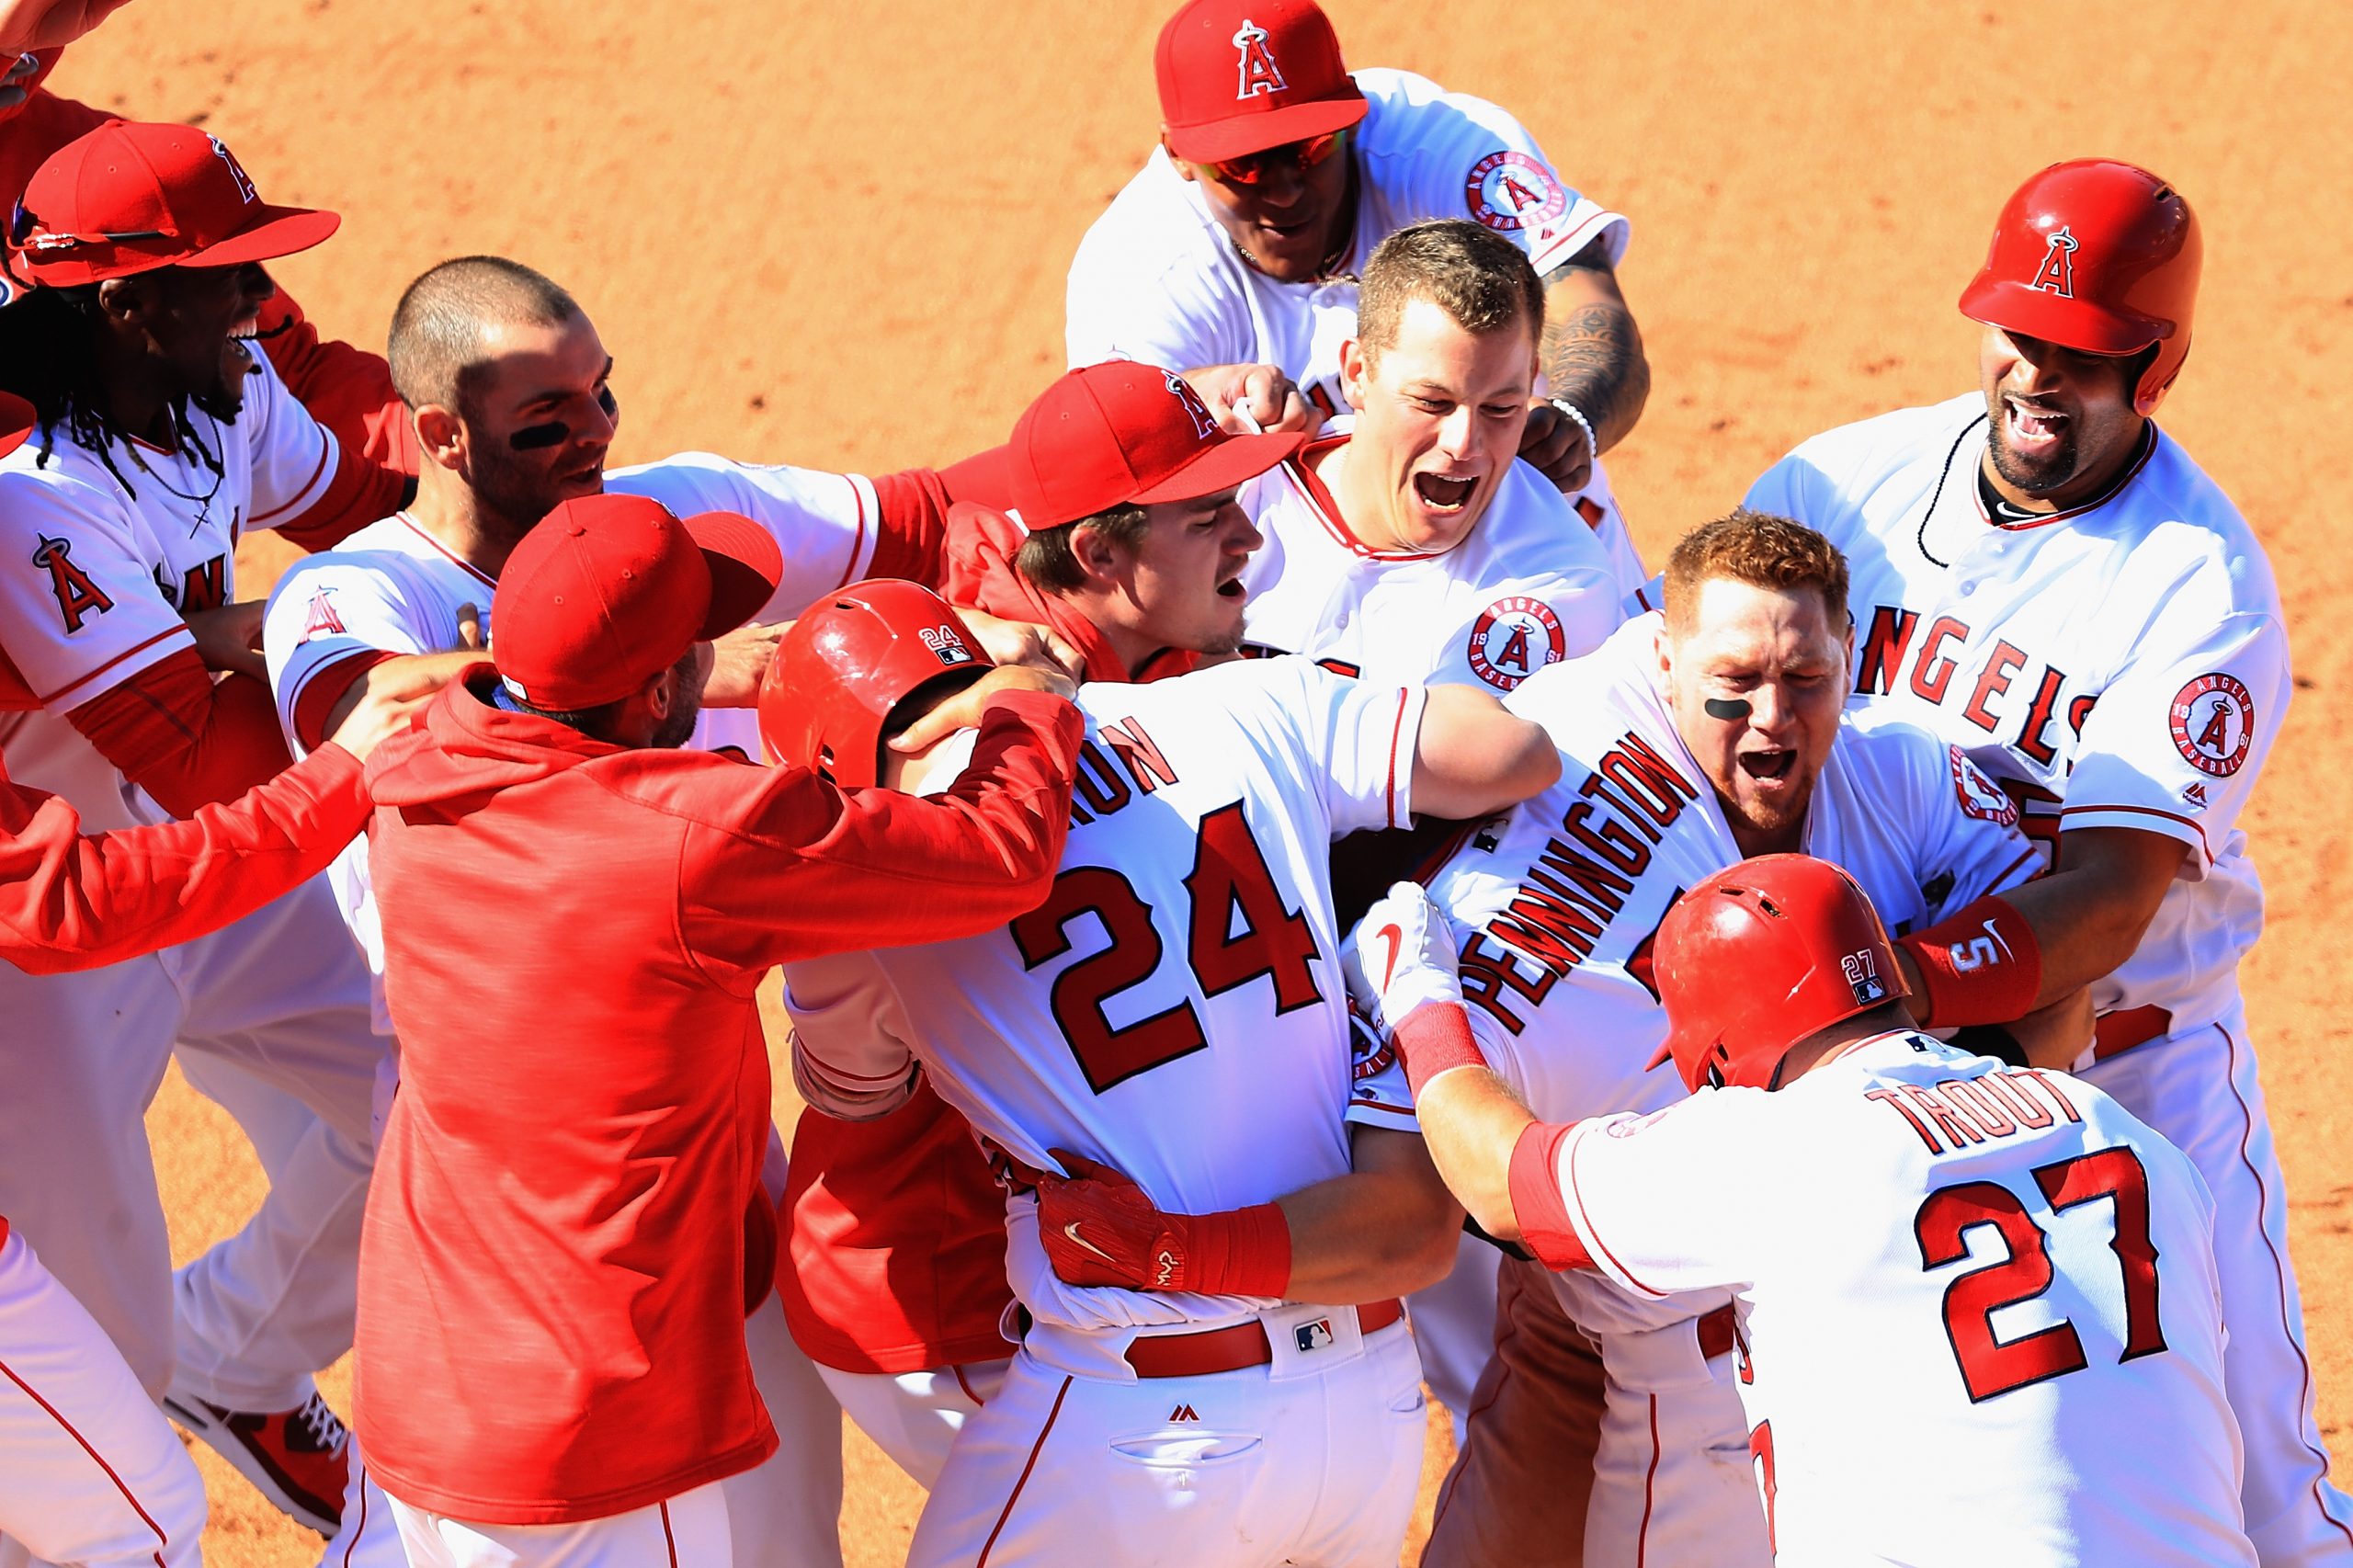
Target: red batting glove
pixel 1100 1229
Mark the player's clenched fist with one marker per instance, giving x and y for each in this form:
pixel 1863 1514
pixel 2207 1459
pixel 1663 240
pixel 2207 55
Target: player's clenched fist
pixel 1100 1229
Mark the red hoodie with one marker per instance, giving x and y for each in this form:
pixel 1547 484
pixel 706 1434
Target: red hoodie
pixel 550 1312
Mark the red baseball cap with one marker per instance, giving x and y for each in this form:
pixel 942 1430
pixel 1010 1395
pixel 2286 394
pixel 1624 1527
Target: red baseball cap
pixel 1239 76
pixel 609 591
pixel 18 418
pixel 130 198
pixel 1109 435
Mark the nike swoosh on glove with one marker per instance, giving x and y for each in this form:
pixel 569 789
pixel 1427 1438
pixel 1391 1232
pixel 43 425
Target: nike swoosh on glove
pixel 1100 1229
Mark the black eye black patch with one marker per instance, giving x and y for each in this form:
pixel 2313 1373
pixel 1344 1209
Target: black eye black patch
pixel 1718 706
pixel 531 438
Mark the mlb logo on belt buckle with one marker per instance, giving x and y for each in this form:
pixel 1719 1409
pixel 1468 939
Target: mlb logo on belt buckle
pixel 1316 1335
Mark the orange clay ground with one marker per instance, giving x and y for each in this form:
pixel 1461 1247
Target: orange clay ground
pixel 837 234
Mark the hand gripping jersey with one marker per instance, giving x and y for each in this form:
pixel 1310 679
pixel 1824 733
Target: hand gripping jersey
pixel 1528 589
pixel 391 588
pixel 2122 665
pixel 95 574
pixel 1555 904
pixel 1978 1306
pixel 1174 1008
pixel 1156 280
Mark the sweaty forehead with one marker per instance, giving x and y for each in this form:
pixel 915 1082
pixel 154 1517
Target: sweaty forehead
pixel 1432 350
pixel 520 362
pixel 1741 624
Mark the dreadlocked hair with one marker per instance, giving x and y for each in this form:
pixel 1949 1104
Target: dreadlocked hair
pixel 48 358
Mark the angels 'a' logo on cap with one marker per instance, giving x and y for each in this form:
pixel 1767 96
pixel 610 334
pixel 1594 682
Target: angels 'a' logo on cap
pixel 945 645
pixel 2057 273
pixel 236 170
pixel 1260 75
pixel 1862 978
pixel 1204 422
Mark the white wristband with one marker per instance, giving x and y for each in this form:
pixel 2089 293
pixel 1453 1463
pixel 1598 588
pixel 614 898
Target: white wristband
pixel 1592 442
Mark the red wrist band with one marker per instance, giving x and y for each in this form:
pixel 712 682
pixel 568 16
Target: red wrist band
pixel 1981 966
pixel 1538 1207
pixel 1432 1039
pixel 1242 1252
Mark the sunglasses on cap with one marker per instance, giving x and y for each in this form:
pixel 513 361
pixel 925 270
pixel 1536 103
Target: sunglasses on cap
pixel 1250 168
pixel 22 224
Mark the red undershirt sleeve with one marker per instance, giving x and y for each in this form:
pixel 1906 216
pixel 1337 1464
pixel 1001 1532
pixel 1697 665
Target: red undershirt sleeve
pixel 184 738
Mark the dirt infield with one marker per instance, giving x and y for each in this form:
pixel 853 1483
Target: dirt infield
pixel 837 234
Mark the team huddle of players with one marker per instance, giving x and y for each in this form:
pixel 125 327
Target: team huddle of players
pixel 1279 908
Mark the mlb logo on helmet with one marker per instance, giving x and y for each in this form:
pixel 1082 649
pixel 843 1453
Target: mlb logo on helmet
pixel 1310 1336
pixel 945 645
pixel 1862 978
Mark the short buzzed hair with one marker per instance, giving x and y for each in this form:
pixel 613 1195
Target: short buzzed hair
pixel 437 326
pixel 1759 549
pixel 1477 276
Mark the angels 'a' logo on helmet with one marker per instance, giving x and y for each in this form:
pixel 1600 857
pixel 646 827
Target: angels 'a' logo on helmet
pixel 944 644
pixel 1260 74
pixel 1204 422
pixel 2057 273
pixel 236 170
pixel 1862 978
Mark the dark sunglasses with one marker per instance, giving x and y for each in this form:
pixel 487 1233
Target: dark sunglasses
pixel 1250 168
pixel 22 224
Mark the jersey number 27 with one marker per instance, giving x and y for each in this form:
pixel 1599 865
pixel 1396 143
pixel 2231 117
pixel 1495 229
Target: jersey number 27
pixel 1989 1366
pixel 1236 930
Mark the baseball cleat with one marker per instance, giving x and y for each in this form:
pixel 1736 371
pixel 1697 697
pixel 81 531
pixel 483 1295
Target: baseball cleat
pixel 298 1458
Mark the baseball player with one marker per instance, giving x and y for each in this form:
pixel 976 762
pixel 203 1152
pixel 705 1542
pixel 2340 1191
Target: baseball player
pixel 161 438
pixel 1692 739
pixel 2047 579
pixel 595 1304
pixel 1961 1289
pixel 1419 517
pixel 89 1474
pixel 893 1267
pixel 515 410
pixel 1277 176
pixel 1171 1003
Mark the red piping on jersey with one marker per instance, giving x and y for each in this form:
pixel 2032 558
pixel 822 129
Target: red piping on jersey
pixel 169 632
pixel 1328 510
pixel 2189 822
pixel 161 1538
pixel 2279 1274
pixel 2110 492
pixel 1577 1143
pixel 327 451
pixel 858 545
pixel 1396 733
pixel 2001 881
pixel 484 578
pixel 1035 1448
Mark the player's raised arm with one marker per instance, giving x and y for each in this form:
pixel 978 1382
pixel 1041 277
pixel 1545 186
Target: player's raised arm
pixel 1472 757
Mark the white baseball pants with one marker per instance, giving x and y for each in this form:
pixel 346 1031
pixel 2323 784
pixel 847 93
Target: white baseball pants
pixel 1673 1484
pixel 1314 1459
pixel 690 1530
pixel 1454 1327
pixel 89 1473
pixel 2201 1090
pixel 281 994
pixel 914 1416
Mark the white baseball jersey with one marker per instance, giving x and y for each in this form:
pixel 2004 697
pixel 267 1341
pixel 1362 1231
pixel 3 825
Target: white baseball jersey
pixel 1156 280
pixel 1528 589
pixel 1174 1008
pixel 392 587
pixel 95 575
pixel 2121 665
pixel 1555 904
pixel 1980 1320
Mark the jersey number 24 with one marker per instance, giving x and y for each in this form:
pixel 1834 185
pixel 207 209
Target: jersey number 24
pixel 1236 930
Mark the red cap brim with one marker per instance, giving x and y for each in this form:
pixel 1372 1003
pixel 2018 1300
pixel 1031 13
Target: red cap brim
pixel 1221 466
pixel 2071 324
pixel 745 567
pixel 18 418
pixel 985 478
pixel 281 230
pixel 1238 135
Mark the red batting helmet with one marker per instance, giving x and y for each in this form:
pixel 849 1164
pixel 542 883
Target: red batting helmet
pixel 1758 957
pixel 2097 256
pixel 848 663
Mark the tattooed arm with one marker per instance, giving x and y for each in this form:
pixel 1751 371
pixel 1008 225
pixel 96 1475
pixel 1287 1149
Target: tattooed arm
pixel 1592 356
